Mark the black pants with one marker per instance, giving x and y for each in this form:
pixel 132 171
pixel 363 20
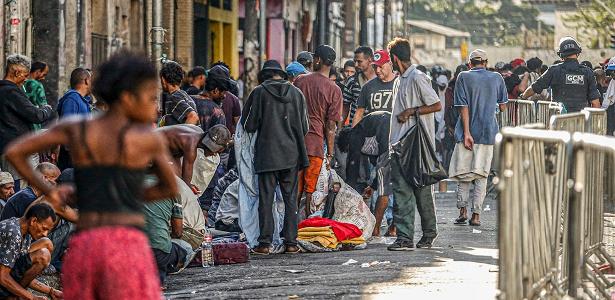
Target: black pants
pixel 267 182
pixel 23 264
pixel 169 262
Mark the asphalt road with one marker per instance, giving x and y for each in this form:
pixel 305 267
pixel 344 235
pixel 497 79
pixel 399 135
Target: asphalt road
pixel 462 265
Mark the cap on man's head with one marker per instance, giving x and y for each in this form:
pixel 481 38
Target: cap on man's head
pixel 5 178
pixel 294 69
pixel 500 65
pixel 381 57
pixel 441 80
pixel 611 64
pixel 273 65
pixel 517 62
pixel 326 53
pixel 217 138
pixel 478 54
pixel 305 57
pixel 219 70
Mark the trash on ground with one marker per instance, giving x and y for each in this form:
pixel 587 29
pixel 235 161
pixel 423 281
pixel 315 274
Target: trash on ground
pixel 476 231
pixel 350 262
pixel 374 263
pixel 293 297
pixel 294 271
pixel 487 208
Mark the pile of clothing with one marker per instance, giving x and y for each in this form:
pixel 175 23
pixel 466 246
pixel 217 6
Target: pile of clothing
pixel 324 235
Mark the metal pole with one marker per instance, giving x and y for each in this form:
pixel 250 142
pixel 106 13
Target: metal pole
pixel 363 22
pixel 322 21
pixel 157 32
pixel 575 222
pixel 262 25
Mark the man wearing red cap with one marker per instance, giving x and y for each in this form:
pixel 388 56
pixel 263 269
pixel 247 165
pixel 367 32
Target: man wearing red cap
pixel 377 94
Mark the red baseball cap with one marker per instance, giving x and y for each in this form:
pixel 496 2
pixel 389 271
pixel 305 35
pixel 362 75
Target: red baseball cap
pixel 381 57
pixel 517 62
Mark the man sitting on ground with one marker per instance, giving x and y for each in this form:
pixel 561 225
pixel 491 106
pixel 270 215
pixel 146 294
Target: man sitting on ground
pixel 184 140
pixel 63 226
pixel 7 188
pixel 16 205
pixel 21 260
pixel 171 256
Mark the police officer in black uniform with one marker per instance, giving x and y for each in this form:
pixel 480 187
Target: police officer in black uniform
pixel 572 84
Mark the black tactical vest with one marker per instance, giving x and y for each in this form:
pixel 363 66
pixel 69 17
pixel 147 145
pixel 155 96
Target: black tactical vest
pixel 570 84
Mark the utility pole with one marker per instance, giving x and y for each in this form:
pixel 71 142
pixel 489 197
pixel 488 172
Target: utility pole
pixel 157 32
pixel 386 31
pixel 262 32
pixel 322 22
pixel 363 22
pixel 251 62
pixel 375 31
pixel 13 40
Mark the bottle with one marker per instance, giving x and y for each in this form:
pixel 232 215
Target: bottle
pixel 207 251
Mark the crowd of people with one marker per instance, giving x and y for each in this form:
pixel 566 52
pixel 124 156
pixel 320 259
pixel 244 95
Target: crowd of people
pixel 116 187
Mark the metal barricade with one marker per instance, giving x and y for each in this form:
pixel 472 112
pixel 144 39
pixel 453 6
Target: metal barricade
pixel 518 112
pixel 596 121
pixel 546 109
pixel 572 122
pixel 588 257
pixel 534 170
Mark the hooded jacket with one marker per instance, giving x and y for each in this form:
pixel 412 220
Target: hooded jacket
pixel 17 113
pixel 277 110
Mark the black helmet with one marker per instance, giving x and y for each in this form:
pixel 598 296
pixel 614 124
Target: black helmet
pixel 568 46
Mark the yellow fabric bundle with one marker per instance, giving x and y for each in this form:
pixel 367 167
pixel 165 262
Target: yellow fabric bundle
pixel 322 235
pixel 356 241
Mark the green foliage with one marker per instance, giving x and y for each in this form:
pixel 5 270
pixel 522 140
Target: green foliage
pixel 497 23
pixel 594 22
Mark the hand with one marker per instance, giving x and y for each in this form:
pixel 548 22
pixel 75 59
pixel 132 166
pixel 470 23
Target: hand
pixel 405 115
pixel 328 161
pixel 55 294
pixel 368 192
pixel 468 141
pixel 35 297
pixel 195 189
pixel 59 195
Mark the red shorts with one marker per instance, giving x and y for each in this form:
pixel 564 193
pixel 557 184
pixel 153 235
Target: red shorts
pixel 310 175
pixel 113 262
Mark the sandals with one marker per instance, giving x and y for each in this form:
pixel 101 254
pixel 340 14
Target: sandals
pixel 461 221
pixel 292 250
pixel 475 221
pixel 261 250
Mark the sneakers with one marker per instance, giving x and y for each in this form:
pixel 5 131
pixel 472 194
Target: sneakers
pixel 401 246
pixel 426 242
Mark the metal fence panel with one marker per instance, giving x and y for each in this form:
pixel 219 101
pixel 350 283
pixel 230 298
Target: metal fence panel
pixel 591 154
pixel 572 122
pixel 534 165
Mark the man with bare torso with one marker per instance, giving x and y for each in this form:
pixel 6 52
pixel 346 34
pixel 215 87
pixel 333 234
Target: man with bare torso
pixel 184 140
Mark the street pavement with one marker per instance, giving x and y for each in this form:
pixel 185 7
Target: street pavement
pixel 462 265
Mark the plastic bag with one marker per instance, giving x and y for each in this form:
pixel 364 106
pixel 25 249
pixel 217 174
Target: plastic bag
pixel 417 157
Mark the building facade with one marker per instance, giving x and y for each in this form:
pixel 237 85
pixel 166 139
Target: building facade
pixel 68 34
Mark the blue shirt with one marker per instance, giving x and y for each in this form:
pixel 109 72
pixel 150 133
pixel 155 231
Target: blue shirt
pixel 481 91
pixel 72 103
pixel 17 204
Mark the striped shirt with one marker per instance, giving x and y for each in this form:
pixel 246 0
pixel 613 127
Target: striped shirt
pixel 177 107
pixel 350 93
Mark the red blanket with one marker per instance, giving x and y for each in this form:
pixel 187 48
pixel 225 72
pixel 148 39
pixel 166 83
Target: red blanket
pixel 342 231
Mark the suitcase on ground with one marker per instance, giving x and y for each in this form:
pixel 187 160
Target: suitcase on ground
pixel 231 253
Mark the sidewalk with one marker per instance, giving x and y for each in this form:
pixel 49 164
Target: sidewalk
pixel 462 265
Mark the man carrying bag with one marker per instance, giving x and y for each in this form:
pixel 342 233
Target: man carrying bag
pixel 413 96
